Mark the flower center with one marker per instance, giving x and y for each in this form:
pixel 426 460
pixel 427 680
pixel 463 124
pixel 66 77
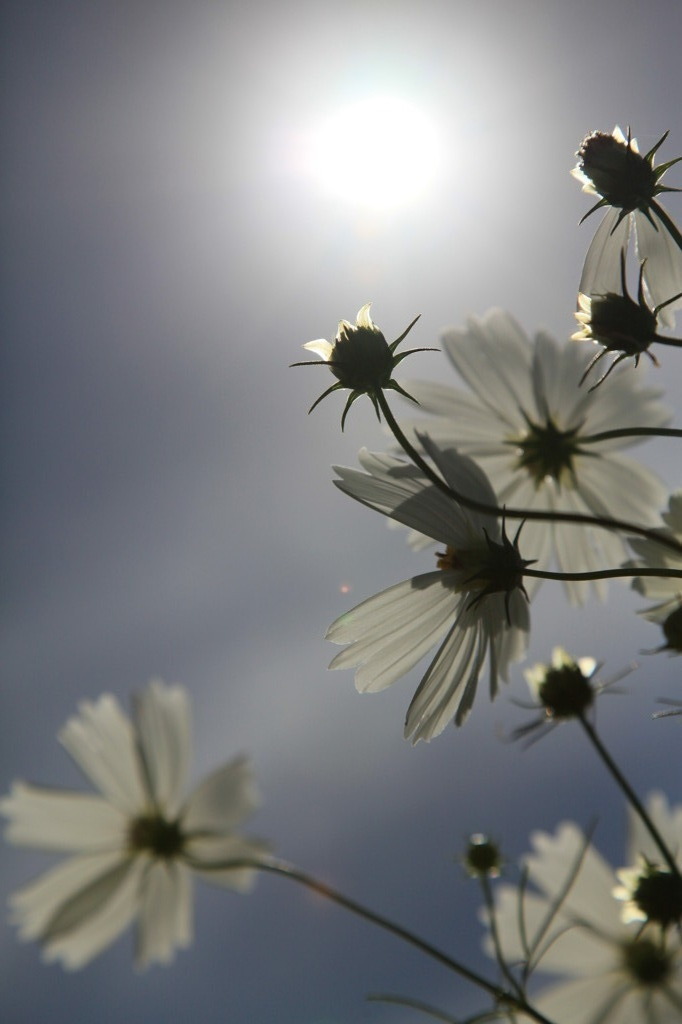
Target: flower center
pixel 545 451
pixel 565 692
pixel 659 895
pixel 153 834
pixel 647 963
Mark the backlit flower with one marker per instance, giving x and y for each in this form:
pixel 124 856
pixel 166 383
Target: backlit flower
pixel 611 166
pixel 473 605
pixel 619 324
pixel 361 359
pixel 567 922
pixel 132 846
pixel 526 424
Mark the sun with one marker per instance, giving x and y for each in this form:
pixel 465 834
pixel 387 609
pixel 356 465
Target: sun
pixel 380 152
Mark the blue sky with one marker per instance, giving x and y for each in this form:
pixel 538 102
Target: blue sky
pixel 169 510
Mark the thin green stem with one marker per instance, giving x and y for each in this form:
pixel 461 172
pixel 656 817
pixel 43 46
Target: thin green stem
pixel 604 574
pixel 607 435
pixel 284 870
pixel 605 522
pixel 495 936
pixel 629 792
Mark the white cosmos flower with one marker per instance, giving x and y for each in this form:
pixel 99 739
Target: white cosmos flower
pixel 611 972
pixel 524 421
pixel 666 591
pixel 132 846
pixel 472 606
pixel 610 166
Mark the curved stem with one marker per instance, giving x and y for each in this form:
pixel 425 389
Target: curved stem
pixel 629 792
pixel 604 574
pixel 285 870
pixel 494 935
pixel 519 513
pixel 607 435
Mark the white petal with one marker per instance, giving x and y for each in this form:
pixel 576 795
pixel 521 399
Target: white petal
pixel 396 489
pixel 109 911
pixel 208 850
pixel 390 632
pixel 102 742
pixel 663 268
pixel 449 685
pixel 165 921
pixel 562 856
pixel 590 1000
pixel 320 347
pixel 53 819
pixel 668 821
pixel 80 907
pixel 493 356
pixel 162 720
pixel 601 270
pixel 620 488
pixel 36 904
pixel 223 799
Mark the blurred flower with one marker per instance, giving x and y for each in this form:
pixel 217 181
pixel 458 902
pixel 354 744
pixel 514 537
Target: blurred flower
pixel 562 690
pixel 473 605
pixel 525 424
pixel 610 166
pixel 618 323
pixel 482 858
pixel 666 591
pixel 361 359
pixel 132 845
pixel 571 926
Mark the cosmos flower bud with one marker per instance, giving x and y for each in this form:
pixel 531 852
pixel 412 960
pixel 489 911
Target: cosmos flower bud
pixel 361 360
pixel 483 857
pixel 618 323
pixel 615 170
pixel 564 687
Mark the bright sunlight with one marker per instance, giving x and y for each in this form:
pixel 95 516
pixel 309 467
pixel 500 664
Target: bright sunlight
pixel 380 152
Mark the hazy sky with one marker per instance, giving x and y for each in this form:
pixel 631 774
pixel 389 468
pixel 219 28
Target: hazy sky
pixel 168 247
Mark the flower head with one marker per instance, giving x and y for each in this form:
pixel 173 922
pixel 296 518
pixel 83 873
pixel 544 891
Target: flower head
pixel 619 324
pixel 361 359
pixel 665 590
pixel 611 166
pixel 563 688
pixel 133 846
pixel 473 606
pixel 527 423
pixel 569 924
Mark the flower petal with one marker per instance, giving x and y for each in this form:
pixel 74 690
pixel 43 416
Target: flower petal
pixel 663 266
pixel 223 799
pixel 102 742
pixel 208 850
pixel 162 721
pixel 79 907
pixel 165 922
pixel 601 270
pixel 53 819
pixel 390 632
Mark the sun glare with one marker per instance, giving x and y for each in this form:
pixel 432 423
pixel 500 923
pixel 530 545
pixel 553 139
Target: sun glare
pixel 379 152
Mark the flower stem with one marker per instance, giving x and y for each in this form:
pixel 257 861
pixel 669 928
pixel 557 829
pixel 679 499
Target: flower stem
pixel 285 870
pixel 519 513
pixel 607 435
pixel 604 574
pixel 668 222
pixel 629 792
